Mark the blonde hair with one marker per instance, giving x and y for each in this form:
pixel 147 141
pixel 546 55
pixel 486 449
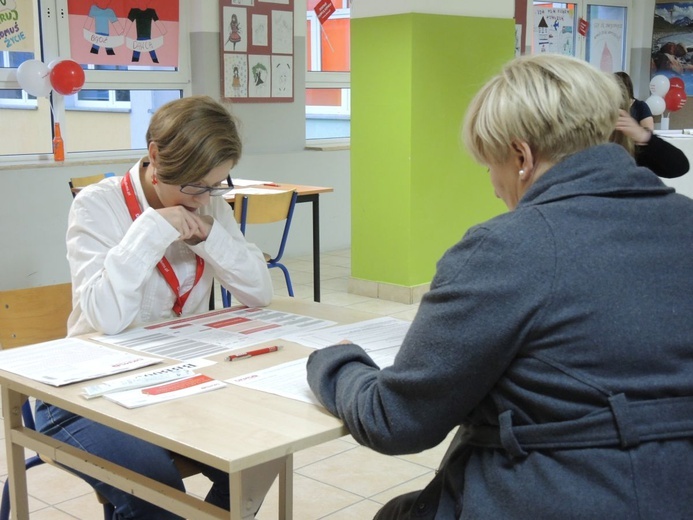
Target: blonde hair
pixel 193 135
pixel 557 104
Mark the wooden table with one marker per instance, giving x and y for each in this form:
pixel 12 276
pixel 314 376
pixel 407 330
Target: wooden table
pixel 250 434
pixel 305 194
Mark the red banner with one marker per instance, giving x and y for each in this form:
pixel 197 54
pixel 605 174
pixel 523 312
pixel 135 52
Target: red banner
pixel 323 10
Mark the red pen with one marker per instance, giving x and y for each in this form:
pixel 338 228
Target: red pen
pixel 251 353
pixel 273 184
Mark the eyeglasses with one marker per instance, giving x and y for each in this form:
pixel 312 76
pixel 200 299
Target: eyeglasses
pixel 214 191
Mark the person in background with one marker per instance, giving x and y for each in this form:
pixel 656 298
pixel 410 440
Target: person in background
pixel 555 337
pixel 145 247
pixel 638 109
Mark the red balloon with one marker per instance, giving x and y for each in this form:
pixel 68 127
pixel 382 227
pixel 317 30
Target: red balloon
pixel 676 82
pixel 675 99
pixel 67 77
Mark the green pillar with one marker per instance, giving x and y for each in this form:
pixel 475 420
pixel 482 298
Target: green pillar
pixel 415 190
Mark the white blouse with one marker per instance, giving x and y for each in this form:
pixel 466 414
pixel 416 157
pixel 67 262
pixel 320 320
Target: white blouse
pixel 115 281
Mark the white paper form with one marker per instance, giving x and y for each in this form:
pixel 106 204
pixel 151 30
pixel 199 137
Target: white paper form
pixel 380 337
pixel 64 361
pixel 371 335
pixel 213 332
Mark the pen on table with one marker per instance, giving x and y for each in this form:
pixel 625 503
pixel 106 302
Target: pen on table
pixel 273 184
pixel 251 353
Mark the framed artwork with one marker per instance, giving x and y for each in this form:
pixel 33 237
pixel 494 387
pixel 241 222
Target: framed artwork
pixel 257 50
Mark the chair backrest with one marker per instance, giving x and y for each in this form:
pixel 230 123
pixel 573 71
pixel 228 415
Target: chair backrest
pixel 265 208
pixel 77 183
pixel 34 315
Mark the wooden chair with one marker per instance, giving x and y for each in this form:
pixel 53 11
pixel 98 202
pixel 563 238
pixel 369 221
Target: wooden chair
pixel 39 314
pixel 266 208
pixel 77 183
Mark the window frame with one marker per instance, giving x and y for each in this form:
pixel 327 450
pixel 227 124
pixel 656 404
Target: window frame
pixel 54 43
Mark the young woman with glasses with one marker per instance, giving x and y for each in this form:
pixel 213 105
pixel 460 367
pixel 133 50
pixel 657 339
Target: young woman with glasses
pixel 145 247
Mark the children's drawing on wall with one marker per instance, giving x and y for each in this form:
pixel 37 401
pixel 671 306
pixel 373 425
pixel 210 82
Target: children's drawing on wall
pixel 118 32
pixel 282 76
pixel 236 27
pixel 282 32
pixel 552 31
pixel 672 42
pixel 260 78
pixel 144 18
pixel 259 30
pixel 102 28
pixel 235 76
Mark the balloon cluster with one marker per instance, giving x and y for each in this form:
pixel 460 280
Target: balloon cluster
pixel 38 79
pixel 667 94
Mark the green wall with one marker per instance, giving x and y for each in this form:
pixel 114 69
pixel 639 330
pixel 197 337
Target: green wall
pixel 415 190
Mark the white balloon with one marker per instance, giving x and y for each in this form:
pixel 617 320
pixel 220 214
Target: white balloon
pixel 34 77
pixel 659 85
pixel 53 63
pixel 656 104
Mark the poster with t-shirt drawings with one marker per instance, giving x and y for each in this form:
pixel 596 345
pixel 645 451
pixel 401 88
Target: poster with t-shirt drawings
pixel 257 48
pixel 111 32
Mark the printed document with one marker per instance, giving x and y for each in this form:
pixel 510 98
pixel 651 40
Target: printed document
pixel 64 361
pixel 380 337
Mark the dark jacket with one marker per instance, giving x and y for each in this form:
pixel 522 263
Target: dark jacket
pixel 662 157
pixel 573 309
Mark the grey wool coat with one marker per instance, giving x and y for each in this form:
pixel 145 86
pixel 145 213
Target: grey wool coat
pixel 560 335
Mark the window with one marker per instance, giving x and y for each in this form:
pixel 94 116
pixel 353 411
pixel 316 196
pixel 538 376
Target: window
pixel 113 108
pixel 328 58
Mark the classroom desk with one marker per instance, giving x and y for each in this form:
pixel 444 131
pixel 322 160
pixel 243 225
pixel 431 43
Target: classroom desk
pixel 250 434
pixel 305 194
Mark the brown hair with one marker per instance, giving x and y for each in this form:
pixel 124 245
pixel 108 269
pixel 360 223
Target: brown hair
pixel 193 135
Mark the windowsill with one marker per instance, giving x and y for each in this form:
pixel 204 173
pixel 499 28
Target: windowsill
pixel 71 159
pixel 328 145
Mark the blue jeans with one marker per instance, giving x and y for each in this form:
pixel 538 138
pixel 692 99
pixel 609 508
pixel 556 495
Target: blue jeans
pixel 129 452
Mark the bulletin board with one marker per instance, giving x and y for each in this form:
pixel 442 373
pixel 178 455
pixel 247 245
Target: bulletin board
pixel 257 50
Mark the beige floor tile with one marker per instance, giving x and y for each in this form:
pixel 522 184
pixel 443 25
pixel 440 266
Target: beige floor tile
pixel 312 500
pixel 359 511
pixel 383 307
pixel 322 451
pixel 340 260
pixel 85 507
pixel 406 315
pixel 343 299
pixel 414 484
pixel 52 513
pixel 334 271
pixel 300 265
pixel 336 284
pixel 53 485
pixel 362 471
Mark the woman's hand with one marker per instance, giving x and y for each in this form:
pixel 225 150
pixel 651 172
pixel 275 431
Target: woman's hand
pixel 192 228
pixel 632 128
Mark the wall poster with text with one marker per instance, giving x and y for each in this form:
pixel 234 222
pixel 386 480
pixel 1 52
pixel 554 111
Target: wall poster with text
pixel 124 32
pixel 257 50
pixel 16 26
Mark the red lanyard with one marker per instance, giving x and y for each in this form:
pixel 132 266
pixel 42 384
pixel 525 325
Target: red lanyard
pixel 164 265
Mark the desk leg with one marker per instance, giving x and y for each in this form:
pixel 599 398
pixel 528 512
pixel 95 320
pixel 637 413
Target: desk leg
pixel 16 469
pixel 316 248
pixel 249 487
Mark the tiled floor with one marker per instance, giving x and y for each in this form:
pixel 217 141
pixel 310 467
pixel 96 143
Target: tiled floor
pixel 339 480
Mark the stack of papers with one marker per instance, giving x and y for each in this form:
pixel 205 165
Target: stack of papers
pixel 64 361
